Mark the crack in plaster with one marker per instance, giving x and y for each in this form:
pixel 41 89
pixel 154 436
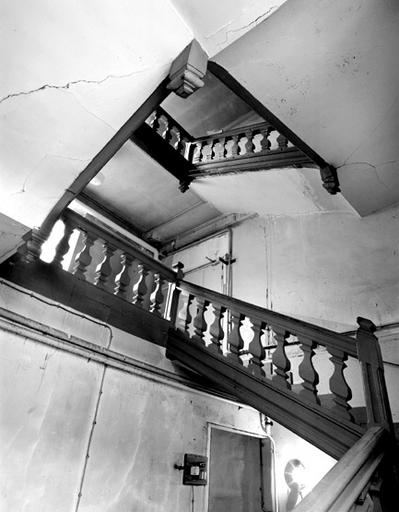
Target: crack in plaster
pixel 374 167
pixel 70 84
pixel 240 29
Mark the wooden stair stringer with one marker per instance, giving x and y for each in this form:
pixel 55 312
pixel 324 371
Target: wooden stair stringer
pixel 316 425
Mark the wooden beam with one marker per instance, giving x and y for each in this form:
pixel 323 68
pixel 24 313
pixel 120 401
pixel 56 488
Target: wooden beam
pixel 105 155
pixel 327 172
pixel 162 152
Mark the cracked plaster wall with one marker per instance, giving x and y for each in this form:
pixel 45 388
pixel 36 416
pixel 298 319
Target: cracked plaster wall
pixel 76 436
pixel 328 69
pixel 74 73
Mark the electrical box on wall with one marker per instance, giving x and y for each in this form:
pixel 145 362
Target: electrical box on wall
pixel 195 469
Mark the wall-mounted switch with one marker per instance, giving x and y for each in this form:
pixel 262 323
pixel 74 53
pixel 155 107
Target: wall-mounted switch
pixel 195 469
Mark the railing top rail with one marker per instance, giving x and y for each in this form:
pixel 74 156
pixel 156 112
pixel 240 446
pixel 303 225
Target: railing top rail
pixel 120 242
pixel 184 132
pixel 294 326
pixel 235 131
pixel 342 485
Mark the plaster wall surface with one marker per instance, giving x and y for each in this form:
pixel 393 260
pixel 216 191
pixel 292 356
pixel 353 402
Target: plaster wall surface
pixel 328 269
pixel 76 435
pixel 328 70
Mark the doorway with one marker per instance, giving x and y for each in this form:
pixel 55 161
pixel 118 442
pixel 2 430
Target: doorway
pixel 240 472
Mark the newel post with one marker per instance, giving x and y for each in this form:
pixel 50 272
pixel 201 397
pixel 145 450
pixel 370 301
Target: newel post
pixel 369 353
pixel 174 303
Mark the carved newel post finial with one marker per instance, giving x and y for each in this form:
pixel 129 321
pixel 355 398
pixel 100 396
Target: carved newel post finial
pixel 188 69
pixel 329 177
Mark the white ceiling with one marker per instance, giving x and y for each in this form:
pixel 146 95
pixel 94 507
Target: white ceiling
pixel 329 70
pixel 77 71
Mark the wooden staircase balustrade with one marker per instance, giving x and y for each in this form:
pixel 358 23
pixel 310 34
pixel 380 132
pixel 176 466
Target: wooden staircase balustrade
pixel 123 270
pixel 256 147
pixel 234 343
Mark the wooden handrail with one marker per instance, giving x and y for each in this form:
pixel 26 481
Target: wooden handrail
pixel 295 326
pixel 236 131
pixel 342 485
pixel 120 242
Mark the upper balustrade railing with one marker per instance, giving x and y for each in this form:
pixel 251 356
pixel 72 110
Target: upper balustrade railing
pixel 258 146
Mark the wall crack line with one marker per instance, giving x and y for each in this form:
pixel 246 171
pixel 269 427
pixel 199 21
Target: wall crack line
pixel 70 84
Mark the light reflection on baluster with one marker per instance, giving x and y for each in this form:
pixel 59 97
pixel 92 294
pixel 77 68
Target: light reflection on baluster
pixel 234 149
pixel 124 288
pixel 200 324
pixel 280 360
pixel 182 145
pixel 338 385
pixel 307 371
pixel 157 297
pixel 256 349
pixel 83 259
pixel 140 289
pixel 63 245
pixel 152 120
pixel 235 341
pixel 216 329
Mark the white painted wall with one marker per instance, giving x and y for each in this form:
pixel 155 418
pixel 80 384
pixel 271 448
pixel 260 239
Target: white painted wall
pixel 69 425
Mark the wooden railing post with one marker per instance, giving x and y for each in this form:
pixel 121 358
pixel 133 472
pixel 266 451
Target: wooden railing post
pixel 174 303
pixel 369 353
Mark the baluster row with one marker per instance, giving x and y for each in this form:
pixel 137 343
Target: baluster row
pixel 101 263
pixel 230 146
pixel 226 335
pixel 169 131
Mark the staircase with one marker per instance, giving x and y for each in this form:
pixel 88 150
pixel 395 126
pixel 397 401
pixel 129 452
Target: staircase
pixel 241 348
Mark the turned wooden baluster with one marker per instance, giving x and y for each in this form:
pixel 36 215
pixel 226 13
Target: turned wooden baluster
pixel 234 150
pixel 216 329
pixel 235 341
pixel 256 349
pixel 307 372
pixel 104 277
pixel 174 137
pixel 338 385
pixel 219 149
pixel 207 151
pixel 124 288
pixel 152 120
pixel 63 245
pixel 280 360
pixel 140 289
pixel 249 145
pixel 200 325
pixel 265 142
pixel 197 152
pixel 157 297
pixel 182 145
pixel 163 126
pixel 83 259
pixel 173 314
pixel 282 142
pixel 187 316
